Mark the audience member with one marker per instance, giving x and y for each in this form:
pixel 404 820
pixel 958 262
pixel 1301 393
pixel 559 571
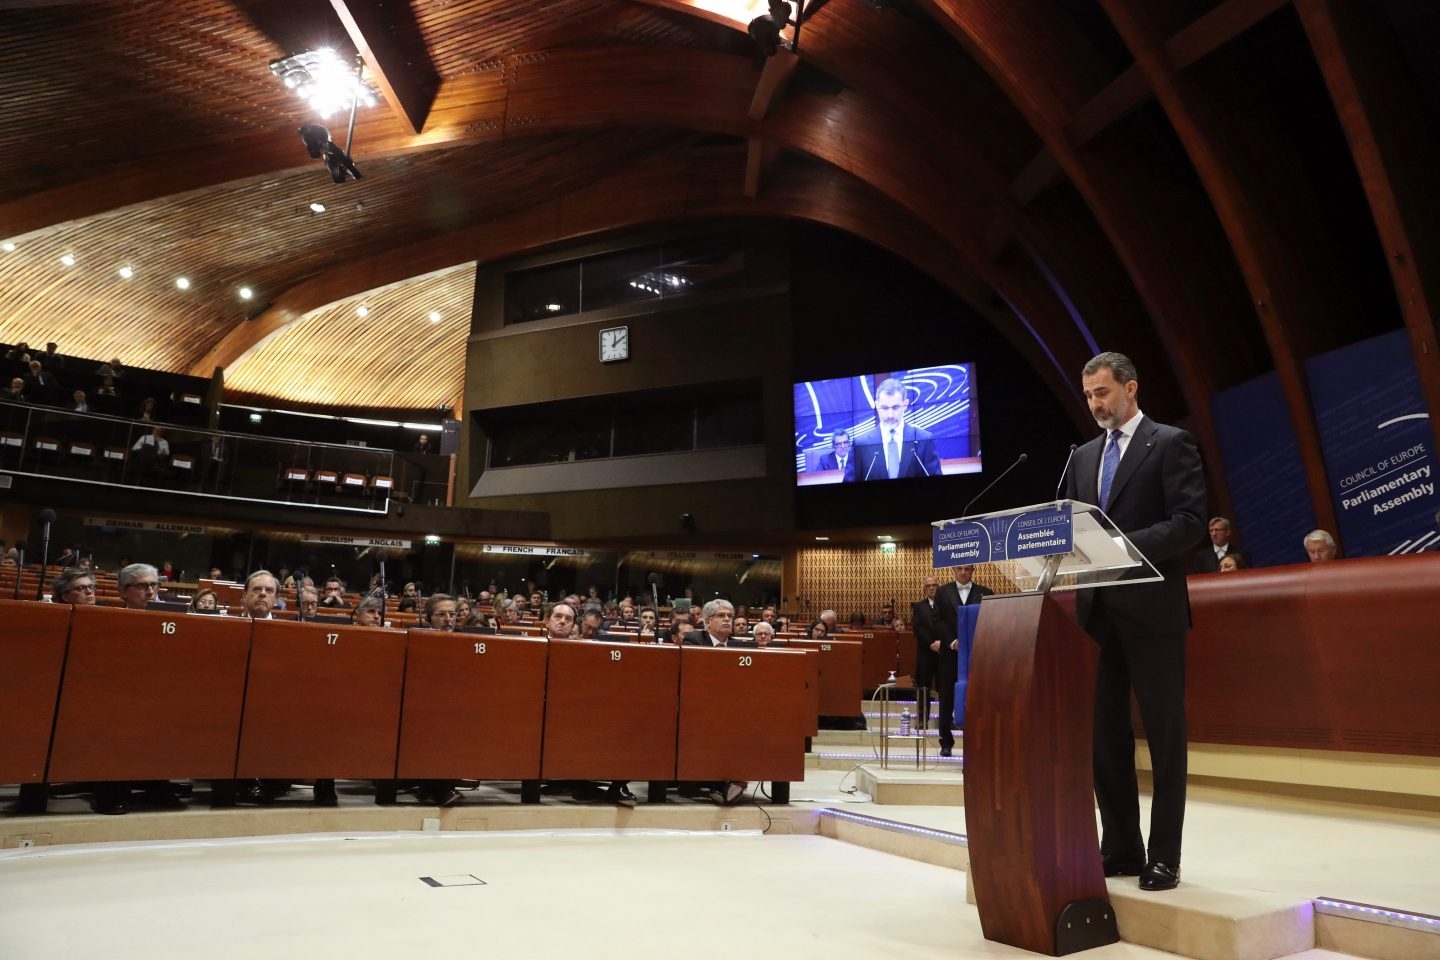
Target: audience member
pixel 74 586
pixel 261 593
pixel 106 388
pixel 78 404
pixel 369 612
pixel 139 583
pixel 1320 546
pixel 739 626
pixel 764 634
pixel 831 621
pixel 440 611
pixel 1230 563
pixel 560 621
pixel 16 393
pixel 334 595
pixel 1207 559
pixel 817 630
pixel 308 601
pixel 205 602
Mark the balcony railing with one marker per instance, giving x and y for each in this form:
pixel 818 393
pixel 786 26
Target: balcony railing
pixel 88 448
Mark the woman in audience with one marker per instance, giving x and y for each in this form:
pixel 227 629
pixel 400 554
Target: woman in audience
pixel 107 387
pixel 782 624
pixel 1230 563
pixel 817 630
pixel 148 409
pixel 205 602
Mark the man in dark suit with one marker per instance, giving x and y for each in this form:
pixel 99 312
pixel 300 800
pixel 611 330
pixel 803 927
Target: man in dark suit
pixel 1147 476
pixel 896 449
pixel 1207 558
pixel 962 592
pixel 930 639
pixel 840 457
pixel 719 619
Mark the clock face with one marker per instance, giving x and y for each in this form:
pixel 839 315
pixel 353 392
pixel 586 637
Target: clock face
pixel 614 344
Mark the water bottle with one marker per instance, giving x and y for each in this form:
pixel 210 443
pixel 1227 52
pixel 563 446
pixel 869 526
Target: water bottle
pixel 905 722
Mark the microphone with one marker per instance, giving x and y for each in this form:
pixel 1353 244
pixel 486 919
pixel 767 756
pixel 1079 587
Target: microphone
pixel 1065 469
pixel 20 546
pixel 916 454
pixel 871 466
pixel 47 517
pixel 1018 460
pixel 382 556
pixel 654 579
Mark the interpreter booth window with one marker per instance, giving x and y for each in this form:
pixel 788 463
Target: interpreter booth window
pixel 660 271
pixel 541 438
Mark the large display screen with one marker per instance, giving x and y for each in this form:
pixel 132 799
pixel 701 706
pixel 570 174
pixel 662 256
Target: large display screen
pixel 887 426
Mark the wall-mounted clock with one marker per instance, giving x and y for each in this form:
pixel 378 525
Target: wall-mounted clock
pixel 614 344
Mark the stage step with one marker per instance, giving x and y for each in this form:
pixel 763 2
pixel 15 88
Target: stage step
pixel 939 783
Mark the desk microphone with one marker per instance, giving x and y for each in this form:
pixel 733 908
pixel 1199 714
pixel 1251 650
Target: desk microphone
pixel 1063 470
pixel 382 556
pixel 47 517
pixel 873 457
pixel 20 546
pixel 916 454
pixel 1018 460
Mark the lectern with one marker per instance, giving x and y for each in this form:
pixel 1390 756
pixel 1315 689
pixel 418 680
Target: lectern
pixel 1029 795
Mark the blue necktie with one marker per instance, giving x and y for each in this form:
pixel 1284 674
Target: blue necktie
pixel 1108 466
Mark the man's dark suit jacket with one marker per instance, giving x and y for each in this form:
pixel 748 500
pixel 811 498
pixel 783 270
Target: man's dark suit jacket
pixel 831 462
pixel 1205 561
pixel 917 455
pixel 929 626
pixel 701 638
pixel 947 599
pixel 1157 499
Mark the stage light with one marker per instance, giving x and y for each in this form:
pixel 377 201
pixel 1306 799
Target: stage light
pixel 325 80
pixel 319 145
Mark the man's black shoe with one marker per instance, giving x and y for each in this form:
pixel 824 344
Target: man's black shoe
pixel 1159 876
pixel 946 751
pixel 113 809
pixel 620 795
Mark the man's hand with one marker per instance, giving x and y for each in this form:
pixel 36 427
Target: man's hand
pixel 935 646
pixel 954 644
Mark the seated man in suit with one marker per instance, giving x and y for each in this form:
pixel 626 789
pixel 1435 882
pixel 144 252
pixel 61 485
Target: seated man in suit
pixel 897 449
pixel 1207 558
pixel 841 456
pixel 718 618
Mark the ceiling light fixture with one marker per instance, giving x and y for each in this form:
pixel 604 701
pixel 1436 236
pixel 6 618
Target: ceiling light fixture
pixel 183 283
pixel 246 293
pixel 317 207
pixel 362 311
pixel 68 259
pixel 8 247
pixel 126 272
pixel 434 316
pixel 328 82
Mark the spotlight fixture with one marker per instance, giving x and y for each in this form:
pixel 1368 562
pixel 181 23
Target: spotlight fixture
pixel 434 316
pixel 245 293
pixel 318 143
pixel 317 207
pixel 362 311
pixel 183 283
pixel 324 79
pixel 126 272
pixel 68 259
pixel 8 247
pixel 765 29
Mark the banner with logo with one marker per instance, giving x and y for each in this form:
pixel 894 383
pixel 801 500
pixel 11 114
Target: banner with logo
pixel 1040 532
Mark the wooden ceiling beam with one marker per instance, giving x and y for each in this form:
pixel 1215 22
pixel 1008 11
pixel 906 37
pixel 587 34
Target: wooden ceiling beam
pixel 389 41
pixel 1256 185
pixel 1379 110
pixel 774 78
pixel 1131 89
pixel 760 160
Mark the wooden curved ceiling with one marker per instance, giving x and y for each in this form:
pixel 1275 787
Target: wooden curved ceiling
pixel 1117 173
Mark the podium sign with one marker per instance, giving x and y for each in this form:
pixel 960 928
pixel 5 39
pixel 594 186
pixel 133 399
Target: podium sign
pixel 1014 535
pixel 1043 542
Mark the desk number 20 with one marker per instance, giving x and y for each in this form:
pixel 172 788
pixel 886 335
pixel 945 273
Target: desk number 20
pixel 746 661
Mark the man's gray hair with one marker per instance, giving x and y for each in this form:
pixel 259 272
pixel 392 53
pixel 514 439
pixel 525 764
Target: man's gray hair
pixel 257 574
pixel 369 603
pixel 1220 520
pixel 762 626
pixel 1321 535
pixel 714 607
pixel 1121 366
pixel 135 571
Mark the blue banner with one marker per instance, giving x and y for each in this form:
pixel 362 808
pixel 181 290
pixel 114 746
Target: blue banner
pixel 1376 440
pixel 1263 469
pixel 1011 536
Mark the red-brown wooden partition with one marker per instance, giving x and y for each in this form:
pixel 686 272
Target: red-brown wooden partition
pixel 322 701
pixel 905 650
pixel 879 654
pixel 32 654
pixel 150 695
pixel 610 711
pixel 742 714
pixel 474 707
pixel 840 673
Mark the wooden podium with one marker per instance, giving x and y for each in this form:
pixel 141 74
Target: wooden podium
pixel 1029 796
pixel 1029 714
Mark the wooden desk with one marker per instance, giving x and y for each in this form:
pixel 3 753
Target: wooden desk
pixel 880 654
pixel 610 711
pixel 150 695
pixel 322 701
pixel 743 714
pixel 32 655
pixel 474 707
pixel 840 673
